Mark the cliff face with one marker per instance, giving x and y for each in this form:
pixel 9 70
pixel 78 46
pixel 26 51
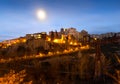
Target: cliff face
pixel 29 47
pixel 74 68
pixel 70 69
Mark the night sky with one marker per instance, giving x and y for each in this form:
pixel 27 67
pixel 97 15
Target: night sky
pixel 18 17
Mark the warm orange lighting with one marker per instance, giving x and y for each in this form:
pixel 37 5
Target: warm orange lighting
pixel 24 40
pixel 50 53
pixel 75 43
pixel 63 41
pixel 14 42
pixel 85 47
pixel 76 49
pixel 40 54
pixel 8 44
pixel 4 47
pixel 65 51
pixel 48 39
pixel 95 38
pixel 71 49
pixel 39 37
pixel 62 37
pixel 71 43
pixel 56 41
pixel 17 41
pixel 58 52
pixel 80 44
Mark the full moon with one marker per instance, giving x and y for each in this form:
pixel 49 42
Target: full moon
pixel 41 14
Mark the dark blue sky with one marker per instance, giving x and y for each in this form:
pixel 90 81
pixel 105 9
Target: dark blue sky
pixel 18 17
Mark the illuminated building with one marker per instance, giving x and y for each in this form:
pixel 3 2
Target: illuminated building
pixel 54 35
pixel 41 35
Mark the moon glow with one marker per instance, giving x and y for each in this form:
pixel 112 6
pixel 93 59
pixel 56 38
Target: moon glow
pixel 41 14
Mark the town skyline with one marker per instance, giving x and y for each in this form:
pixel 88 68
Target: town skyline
pixel 71 29
pixel 66 31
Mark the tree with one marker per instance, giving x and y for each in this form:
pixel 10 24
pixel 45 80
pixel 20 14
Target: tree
pixel 56 34
pixel 52 35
